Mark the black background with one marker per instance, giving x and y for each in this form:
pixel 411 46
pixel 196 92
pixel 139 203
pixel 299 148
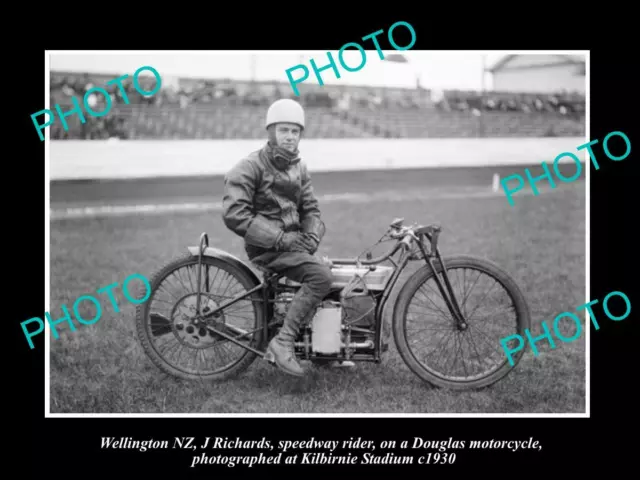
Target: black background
pixel 70 448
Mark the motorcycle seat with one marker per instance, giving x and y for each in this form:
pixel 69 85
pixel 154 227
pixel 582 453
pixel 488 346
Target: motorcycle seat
pixel 268 273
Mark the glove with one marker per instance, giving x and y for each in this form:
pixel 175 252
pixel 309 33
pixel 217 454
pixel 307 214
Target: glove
pixel 311 241
pixel 292 242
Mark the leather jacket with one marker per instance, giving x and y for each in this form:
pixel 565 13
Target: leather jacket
pixel 266 195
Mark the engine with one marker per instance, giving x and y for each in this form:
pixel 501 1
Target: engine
pixel 344 323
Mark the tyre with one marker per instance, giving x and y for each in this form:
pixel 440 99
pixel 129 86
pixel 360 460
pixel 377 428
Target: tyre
pixel 166 331
pixel 412 297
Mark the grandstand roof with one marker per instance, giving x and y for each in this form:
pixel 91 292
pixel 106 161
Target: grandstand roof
pixel 561 60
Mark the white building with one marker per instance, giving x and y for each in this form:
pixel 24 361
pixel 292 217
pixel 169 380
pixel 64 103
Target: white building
pixel 539 73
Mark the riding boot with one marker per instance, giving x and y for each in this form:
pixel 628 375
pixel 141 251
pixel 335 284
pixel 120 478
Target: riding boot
pixel 281 349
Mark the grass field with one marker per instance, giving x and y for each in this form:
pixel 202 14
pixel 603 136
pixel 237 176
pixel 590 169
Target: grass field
pixel 102 369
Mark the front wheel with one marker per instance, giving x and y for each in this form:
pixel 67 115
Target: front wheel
pixel 168 327
pixel 426 334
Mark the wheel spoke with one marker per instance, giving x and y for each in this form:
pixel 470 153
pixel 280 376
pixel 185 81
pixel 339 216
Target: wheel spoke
pixel 181 343
pixel 433 362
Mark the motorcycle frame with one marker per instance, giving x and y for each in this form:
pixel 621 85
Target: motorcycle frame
pixel 268 286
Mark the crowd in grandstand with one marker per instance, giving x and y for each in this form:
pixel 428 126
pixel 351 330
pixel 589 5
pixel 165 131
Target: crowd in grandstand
pixel 337 98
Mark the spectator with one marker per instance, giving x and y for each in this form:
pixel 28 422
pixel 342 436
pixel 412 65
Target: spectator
pixel 351 103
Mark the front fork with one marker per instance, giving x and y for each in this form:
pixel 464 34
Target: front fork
pixel 448 295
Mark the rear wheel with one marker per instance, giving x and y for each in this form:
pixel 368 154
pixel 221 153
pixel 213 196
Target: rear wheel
pixel 493 307
pixel 172 338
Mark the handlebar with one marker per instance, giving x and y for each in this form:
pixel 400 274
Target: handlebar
pixel 413 232
pixel 403 233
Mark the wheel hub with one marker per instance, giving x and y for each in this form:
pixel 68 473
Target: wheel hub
pixel 189 327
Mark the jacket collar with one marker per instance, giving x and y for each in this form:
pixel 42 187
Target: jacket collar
pixel 279 157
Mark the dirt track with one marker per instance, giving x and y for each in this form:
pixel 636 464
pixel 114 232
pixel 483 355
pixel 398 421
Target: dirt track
pixel 209 188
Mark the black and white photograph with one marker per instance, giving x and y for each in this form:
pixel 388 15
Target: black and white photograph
pixel 284 233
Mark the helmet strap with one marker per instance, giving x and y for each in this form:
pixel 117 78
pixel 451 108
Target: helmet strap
pixel 273 143
pixel 271 135
pixel 281 157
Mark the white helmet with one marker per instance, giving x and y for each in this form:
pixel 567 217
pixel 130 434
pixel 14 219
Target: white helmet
pixel 285 110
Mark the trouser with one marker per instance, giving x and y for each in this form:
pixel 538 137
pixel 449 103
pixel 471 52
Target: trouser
pixel 315 279
pixel 308 270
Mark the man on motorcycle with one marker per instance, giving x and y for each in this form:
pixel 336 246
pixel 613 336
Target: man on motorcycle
pixel 270 202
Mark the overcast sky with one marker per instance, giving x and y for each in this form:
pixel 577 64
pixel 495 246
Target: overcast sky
pixel 446 69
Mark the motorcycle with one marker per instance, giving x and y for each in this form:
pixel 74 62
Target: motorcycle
pixel 229 311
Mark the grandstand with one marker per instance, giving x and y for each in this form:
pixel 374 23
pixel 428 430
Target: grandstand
pixel 233 109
